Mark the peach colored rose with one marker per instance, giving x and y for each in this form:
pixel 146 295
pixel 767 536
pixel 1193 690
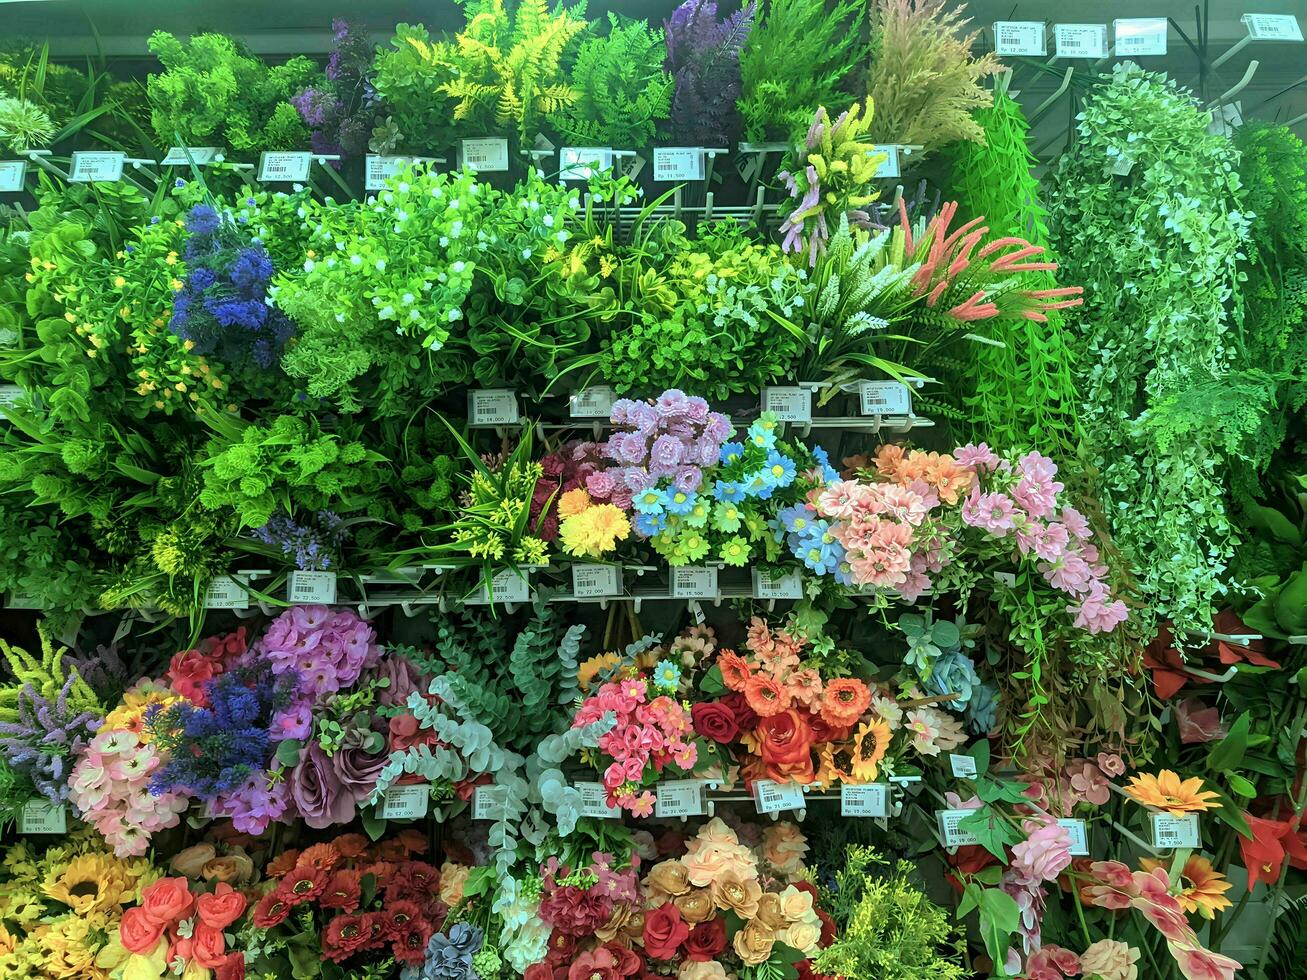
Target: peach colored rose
pixel 717 831
pixel 667 878
pixel 453 879
pixel 783 847
pixel 701 971
pixel 192 860
pixel 802 936
pixel 796 905
pixel 769 911
pixel 740 895
pixel 225 868
pixel 753 944
pixel 696 905
pixel 708 858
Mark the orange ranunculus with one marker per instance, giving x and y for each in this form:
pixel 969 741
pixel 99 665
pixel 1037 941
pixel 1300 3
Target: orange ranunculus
pixel 1166 791
pixel 207 946
pixel 766 695
pixel 139 932
pixel 844 701
pixel 785 745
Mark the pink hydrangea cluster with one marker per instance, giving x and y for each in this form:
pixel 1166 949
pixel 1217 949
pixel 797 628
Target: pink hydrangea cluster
pixel 110 785
pixel 655 733
pixel 1021 500
pixel 566 468
pixel 672 438
pixel 328 648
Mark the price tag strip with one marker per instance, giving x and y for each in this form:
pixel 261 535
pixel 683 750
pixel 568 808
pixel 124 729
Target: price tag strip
pixel 681 798
pixel 948 828
pixel 1078 831
pixel 591 403
pixel 12 175
pixel 788 404
pixel 1080 40
pixel 867 800
pixel 379 169
pixel 181 156
pixel 311 588
pixel 1019 37
pixel 884 398
pixel 963 766
pixel 91 167
pixel 694 582
pixel 506 586
pixel 890 165
pixel 773 797
pixel 407 802
pixel 9 395
pixel 1272 27
pixel 1173 832
pixel 484 155
pixel 596 581
pixel 583 162
pixel 1139 36
pixel 290 167
pixel 673 163
pixel 594 802
pixel 43 817
pixel 770 583
pixel 489 802
pixel 492 406
pixel 226 592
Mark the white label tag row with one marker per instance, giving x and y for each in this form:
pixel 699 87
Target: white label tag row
pixel 225 592
pixel 596 581
pixel 773 797
pixel 12 175
pixel 866 800
pixel 311 588
pixel 1172 832
pixel 407 802
pixel 681 798
pixel 694 582
pixel 1019 37
pixel 1080 40
pixel 583 162
pixel 492 406
pixel 21 600
pixel 97 166
pixel 963 766
pixel 678 163
pixel 489 802
pixel 9 395
pixel 43 817
pixel 1139 36
pixel 771 583
pixel 199 155
pixel 591 403
pixel 594 802
pixel 1272 27
pixel 379 169
pixel 789 404
pixel 487 155
pixel 291 167
pixel 885 398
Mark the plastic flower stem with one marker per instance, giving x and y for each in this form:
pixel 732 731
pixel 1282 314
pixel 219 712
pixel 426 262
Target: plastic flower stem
pixel 1080 914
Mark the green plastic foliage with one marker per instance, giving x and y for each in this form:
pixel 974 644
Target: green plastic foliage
pixel 797 57
pixel 211 91
pixel 1023 393
pixel 622 92
pixel 1145 215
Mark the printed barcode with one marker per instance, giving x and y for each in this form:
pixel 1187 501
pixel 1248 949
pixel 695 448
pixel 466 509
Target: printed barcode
pixel 477 157
pixel 1072 45
pixel 874 400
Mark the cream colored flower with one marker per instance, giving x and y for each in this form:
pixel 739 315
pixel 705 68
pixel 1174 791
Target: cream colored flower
pixel 453 879
pixel 783 847
pixel 701 971
pixel 1111 960
pixel 740 895
pixel 802 936
pixel 753 944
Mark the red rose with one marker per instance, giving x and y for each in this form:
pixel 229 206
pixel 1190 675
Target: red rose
pixel 232 968
pixel 664 931
pixel 628 962
pixel 828 928
pixel 139 932
pixel 207 946
pixel 222 908
pixel 270 910
pixel 706 941
pixel 714 720
pixel 597 965
pixel 188 672
pixel 785 745
pixel 745 717
pixel 806 972
pixel 538 971
pixel 345 935
pixel 168 900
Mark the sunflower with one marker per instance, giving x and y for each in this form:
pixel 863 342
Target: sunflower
pixel 1166 791
pixel 835 764
pixel 592 668
pixel 91 883
pixel 1205 887
pixel 71 944
pixel 870 742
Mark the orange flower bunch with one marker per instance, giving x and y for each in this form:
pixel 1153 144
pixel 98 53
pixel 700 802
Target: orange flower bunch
pixel 937 470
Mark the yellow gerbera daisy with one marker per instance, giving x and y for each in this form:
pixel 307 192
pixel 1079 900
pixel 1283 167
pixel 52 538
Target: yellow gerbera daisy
pixel 1166 791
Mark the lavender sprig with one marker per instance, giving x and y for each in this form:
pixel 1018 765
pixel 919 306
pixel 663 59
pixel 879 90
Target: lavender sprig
pixel 46 735
pixel 703 55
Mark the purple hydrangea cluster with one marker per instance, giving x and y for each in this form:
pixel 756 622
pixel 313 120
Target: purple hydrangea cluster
pixel 665 442
pixel 314 545
pixel 342 113
pixel 222 308
pixel 327 648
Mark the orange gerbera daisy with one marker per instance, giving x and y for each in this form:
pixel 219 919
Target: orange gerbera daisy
pixel 1205 887
pixel 351 845
pixel 1166 791
pixel 324 857
pixel 870 742
pixel 282 864
pixel 766 695
pixel 844 701
pixel 735 670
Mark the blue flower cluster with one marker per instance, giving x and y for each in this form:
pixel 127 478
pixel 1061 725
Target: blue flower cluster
pixel 809 539
pixel 215 748
pixel 755 469
pixel 315 545
pixel 449 955
pixel 223 307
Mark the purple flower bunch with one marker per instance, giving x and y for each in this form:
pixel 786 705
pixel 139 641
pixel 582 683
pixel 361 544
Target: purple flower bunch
pixel 315 545
pixel 703 56
pixel 222 308
pixel 342 113
pixel 669 440
pixel 327 649
pixel 44 738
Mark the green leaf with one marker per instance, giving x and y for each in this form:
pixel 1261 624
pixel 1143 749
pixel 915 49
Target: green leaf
pixel 712 683
pixel 288 752
pixel 1228 753
pixel 374 825
pixel 999 918
pixel 980 752
pixel 1240 786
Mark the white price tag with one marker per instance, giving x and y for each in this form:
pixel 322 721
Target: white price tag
pixel 1006 578
pixel 1080 40
pixel 1018 37
pixel 1122 166
pixel 890 165
pixel 770 583
pixel 583 162
pixel 492 406
pixel 485 155
pixel 225 592
pixel 200 155
pixel 948 827
pixel 963 766
pixel 1139 35
pixel 678 163
pixel 21 600
pixel 1226 119
pixel 12 175
pixel 489 802
pixel 1078 831
pixel 594 802
pixel 507 586
pixel 379 169
pixel 1172 832
pixel 43 817
pixel 1272 27
pixel 96 166
pixel 311 588
pixel 866 800
pixel 885 398
pixel 591 403
pixel 407 802
pixel 291 166
pixel 596 581
pixel 680 798
pixel 772 797
pixel 694 582
pixel 788 404
pixel 9 395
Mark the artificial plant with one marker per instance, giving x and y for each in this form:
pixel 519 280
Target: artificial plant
pixel 703 57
